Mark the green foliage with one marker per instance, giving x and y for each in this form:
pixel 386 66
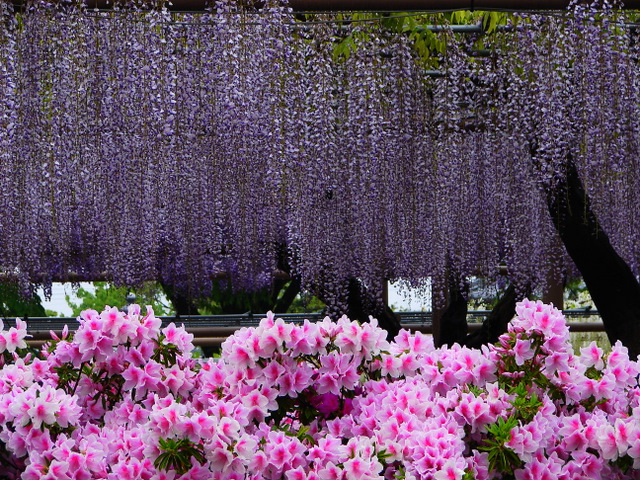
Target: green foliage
pixel 501 457
pixel 301 434
pixel 477 391
pixel 13 303
pixel 347 45
pixel 593 373
pixel 225 300
pixel 306 302
pixel 486 293
pixel 400 473
pixel 107 294
pixel 344 48
pixel 430 45
pixel 491 20
pixel 165 353
pixel 110 392
pixel 286 404
pixel 383 455
pixel 576 294
pixel 625 463
pixel 177 454
pixel 525 404
pixel 468 475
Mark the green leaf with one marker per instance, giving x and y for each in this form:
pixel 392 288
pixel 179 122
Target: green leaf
pixel 501 458
pixel 149 293
pixel 15 303
pixel 177 455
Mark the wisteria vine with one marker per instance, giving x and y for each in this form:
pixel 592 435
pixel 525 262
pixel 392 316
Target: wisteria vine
pixel 142 144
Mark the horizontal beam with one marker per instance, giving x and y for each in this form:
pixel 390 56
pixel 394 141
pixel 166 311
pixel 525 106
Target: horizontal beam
pixel 378 5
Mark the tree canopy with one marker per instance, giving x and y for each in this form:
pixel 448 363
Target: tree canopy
pixel 105 294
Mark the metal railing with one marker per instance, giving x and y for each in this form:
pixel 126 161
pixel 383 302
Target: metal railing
pixel 213 329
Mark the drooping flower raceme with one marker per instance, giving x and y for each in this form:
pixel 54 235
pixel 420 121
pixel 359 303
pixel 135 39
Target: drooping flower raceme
pixel 285 129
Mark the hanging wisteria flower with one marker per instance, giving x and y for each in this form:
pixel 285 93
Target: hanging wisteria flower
pixel 285 130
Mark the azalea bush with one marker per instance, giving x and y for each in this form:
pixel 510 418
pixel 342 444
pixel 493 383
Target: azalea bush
pixel 123 399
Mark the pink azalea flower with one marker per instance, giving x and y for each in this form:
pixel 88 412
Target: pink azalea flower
pixel 296 474
pixel 449 471
pixel 43 411
pixel 409 364
pixel 358 468
pixel 522 351
pixel 540 468
pixel 591 356
pixel 349 338
pixel 278 456
pixel 330 472
pixel 241 356
pixel 245 447
pixel 112 319
pixel 429 421
pixel 134 377
pixel 189 428
pixel 57 470
pixel 178 336
pixel 588 464
pixel 273 371
pixel 87 339
pixel 390 365
pixel 274 335
pixel 556 361
pixel 607 441
pixel 420 343
pixel 13 339
pixel 306 339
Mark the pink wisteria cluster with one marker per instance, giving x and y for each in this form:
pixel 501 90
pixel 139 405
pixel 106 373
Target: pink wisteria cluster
pixel 124 399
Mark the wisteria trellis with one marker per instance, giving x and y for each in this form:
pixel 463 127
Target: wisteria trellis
pixel 148 144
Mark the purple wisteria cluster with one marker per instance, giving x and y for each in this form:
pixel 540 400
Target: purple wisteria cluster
pixel 124 399
pixel 141 144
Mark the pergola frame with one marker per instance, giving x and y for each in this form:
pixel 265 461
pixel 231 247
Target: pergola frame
pixel 377 5
pixel 300 6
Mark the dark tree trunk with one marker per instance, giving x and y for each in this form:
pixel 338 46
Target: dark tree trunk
pixel 453 323
pixel 361 304
pixel 611 283
pixel 291 284
pixel 497 321
pixel 454 327
pixel 289 295
pixel 182 305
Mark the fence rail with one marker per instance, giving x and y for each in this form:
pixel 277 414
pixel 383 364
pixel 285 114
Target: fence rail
pixel 211 330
